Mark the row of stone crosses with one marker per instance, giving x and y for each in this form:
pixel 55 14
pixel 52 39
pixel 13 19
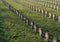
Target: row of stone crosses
pixel 30 23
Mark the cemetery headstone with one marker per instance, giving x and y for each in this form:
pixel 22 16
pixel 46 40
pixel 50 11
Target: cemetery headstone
pixel 47 36
pixel 32 24
pixel 58 19
pixel 40 31
pixel 55 39
pixel 50 15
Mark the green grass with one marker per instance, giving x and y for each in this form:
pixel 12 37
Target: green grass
pixel 48 2
pixel 44 3
pixel 53 27
pixel 42 7
pixel 13 29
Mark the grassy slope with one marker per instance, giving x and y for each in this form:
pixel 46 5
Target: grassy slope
pixel 42 21
pixel 47 3
pixel 42 7
pixel 13 29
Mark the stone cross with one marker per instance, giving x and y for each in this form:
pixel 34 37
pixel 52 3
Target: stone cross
pixel 38 2
pixel 42 11
pixel 57 8
pixel 31 24
pixel 47 36
pixel 55 3
pixel 35 27
pixel 58 19
pixel 33 8
pixel 55 39
pixel 27 21
pixel 24 19
pixel 28 6
pixel 51 6
pixel 50 15
pixel 46 13
pixel 17 12
pixel 58 3
pixel 39 10
pixel 48 5
pixel 21 16
pixel 36 9
pixel 54 16
pixel 45 5
pixel 40 31
pixel 54 7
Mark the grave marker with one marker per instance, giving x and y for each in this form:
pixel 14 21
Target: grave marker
pixel 33 8
pixel 40 31
pixel 39 10
pixel 58 19
pixel 46 13
pixel 36 9
pixel 45 5
pixel 47 36
pixel 54 7
pixel 27 20
pixel 16 12
pixel 54 16
pixel 57 8
pixel 24 19
pixel 32 23
pixel 50 15
pixel 58 3
pixel 42 11
pixel 55 39
pixel 21 16
pixel 35 27
pixel 51 6
pixel 48 5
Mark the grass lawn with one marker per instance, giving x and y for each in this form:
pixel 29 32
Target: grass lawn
pixel 53 27
pixel 13 29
